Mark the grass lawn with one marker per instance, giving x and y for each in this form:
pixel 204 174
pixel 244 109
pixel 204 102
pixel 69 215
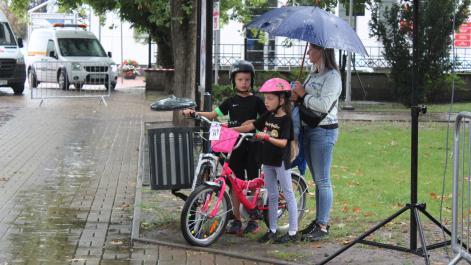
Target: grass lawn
pixel 371 174
pixel 391 107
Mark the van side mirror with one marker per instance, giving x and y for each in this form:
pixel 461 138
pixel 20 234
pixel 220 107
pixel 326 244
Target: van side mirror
pixel 52 54
pixel 20 42
pixel 109 54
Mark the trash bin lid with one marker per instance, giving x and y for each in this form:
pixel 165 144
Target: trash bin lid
pixel 172 103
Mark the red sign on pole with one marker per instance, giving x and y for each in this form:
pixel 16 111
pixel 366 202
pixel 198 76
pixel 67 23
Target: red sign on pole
pixel 462 43
pixel 463 36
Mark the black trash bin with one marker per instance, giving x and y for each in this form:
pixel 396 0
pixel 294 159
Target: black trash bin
pixel 171 158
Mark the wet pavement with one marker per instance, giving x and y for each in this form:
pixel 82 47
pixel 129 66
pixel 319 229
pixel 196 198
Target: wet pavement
pixel 68 179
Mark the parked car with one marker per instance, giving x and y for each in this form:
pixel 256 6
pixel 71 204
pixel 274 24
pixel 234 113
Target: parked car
pixel 68 54
pixel 12 62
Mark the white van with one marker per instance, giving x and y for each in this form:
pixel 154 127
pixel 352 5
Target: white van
pixel 67 54
pixel 12 62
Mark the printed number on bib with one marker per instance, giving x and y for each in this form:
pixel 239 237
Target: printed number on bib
pixel 214 131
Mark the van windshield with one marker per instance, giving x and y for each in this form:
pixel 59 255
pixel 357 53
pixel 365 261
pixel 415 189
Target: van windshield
pixel 81 47
pixel 6 37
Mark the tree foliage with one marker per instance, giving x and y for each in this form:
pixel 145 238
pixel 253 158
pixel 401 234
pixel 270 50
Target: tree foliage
pixel 394 27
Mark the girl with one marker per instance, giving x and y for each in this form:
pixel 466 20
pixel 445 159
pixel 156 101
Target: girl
pixel 277 132
pixel 244 107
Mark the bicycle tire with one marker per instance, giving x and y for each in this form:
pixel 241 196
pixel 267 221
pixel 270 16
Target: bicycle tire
pixel 208 233
pixel 204 174
pixel 300 190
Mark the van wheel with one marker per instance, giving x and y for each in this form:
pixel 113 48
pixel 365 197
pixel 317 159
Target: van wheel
pixel 63 80
pixel 32 79
pixel 18 88
pixel 113 86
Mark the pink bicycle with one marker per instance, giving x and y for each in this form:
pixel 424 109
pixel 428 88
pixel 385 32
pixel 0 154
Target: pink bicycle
pixel 206 211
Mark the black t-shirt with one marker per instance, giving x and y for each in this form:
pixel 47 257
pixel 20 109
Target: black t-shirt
pixel 241 109
pixel 279 128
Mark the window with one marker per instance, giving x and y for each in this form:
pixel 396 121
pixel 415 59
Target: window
pixel 50 47
pixel 81 47
pixel 6 36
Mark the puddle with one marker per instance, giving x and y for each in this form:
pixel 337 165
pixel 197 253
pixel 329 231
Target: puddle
pixel 47 228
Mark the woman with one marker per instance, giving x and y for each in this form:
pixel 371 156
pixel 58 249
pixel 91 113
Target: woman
pixel 320 92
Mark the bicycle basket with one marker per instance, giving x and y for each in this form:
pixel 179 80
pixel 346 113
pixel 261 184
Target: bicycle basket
pixel 227 140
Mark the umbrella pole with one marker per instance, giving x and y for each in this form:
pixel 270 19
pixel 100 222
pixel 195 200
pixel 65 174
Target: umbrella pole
pixel 302 62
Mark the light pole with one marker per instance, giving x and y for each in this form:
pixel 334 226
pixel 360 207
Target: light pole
pixel 348 85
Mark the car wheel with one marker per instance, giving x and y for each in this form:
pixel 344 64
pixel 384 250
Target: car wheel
pixel 63 80
pixel 113 86
pixel 18 88
pixel 32 79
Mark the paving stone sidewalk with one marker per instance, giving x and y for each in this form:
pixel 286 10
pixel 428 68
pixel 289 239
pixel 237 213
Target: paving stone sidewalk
pixel 68 180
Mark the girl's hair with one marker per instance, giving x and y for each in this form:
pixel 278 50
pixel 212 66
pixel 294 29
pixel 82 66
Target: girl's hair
pixel 287 102
pixel 327 60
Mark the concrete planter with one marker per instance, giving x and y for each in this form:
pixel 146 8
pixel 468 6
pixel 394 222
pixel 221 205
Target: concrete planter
pixel 158 79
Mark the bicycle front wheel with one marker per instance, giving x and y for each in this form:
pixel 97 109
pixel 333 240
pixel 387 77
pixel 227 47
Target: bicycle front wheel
pixel 199 228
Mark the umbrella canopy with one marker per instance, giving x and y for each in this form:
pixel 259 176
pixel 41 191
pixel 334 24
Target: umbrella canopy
pixel 311 24
pixel 172 103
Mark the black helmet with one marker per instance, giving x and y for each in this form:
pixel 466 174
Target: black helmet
pixel 242 66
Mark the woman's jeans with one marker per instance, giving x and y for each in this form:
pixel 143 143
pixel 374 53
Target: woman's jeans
pixel 318 149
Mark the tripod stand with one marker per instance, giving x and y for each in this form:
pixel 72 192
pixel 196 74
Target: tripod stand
pixel 414 207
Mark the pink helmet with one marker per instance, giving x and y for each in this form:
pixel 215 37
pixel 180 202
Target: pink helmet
pixel 275 85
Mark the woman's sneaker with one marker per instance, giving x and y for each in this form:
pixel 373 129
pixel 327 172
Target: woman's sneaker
pixel 286 238
pixel 309 227
pixel 235 227
pixel 268 237
pixel 316 234
pixel 252 227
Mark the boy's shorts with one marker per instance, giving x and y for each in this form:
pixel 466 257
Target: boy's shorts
pixel 246 158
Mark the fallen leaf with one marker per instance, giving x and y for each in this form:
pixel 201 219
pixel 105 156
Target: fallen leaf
pixel 356 210
pixel 116 242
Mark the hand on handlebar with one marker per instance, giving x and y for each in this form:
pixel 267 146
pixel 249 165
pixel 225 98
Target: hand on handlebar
pixel 262 136
pixel 189 112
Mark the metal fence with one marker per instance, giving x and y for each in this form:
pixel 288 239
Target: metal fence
pixel 52 79
pixel 460 231
pixel 284 57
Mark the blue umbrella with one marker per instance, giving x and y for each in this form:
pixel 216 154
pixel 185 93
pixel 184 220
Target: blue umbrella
pixel 311 24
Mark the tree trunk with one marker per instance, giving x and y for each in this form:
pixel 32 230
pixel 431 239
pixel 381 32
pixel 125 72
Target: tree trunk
pixel 183 32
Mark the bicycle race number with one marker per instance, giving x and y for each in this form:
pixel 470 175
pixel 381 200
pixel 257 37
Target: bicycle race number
pixel 214 131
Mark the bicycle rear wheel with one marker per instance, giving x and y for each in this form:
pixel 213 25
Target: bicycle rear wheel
pixel 198 227
pixel 300 193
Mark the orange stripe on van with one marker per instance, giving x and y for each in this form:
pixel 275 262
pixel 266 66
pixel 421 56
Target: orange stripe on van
pixel 36 53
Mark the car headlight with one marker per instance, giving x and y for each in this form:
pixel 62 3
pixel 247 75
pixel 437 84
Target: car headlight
pixel 76 66
pixel 114 68
pixel 20 60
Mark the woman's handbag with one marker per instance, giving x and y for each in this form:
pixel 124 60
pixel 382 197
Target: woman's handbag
pixel 311 117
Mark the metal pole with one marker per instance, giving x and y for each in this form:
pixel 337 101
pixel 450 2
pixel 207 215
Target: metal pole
pixel 348 85
pixel 217 41
pixel 121 37
pixel 415 125
pixel 209 56
pixel 198 57
pixel 149 63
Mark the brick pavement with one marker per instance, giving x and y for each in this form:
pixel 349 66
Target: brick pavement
pixel 67 183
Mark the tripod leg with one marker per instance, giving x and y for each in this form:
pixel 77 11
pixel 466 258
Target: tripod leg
pixel 435 221
pixel 364 235
pixel 421 234
pixel 455 260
